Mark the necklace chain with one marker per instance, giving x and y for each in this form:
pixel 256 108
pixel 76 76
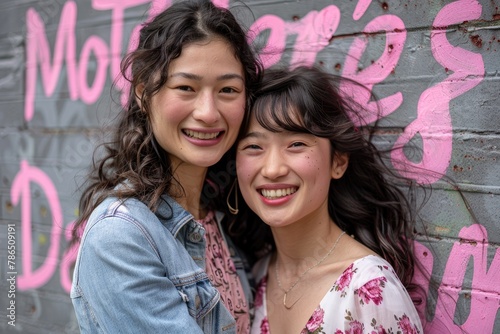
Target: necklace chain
pixel 286 291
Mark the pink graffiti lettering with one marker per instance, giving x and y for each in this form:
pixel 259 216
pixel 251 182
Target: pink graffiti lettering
pixel 118 8
pixel 38 53
pixel 379 70
pixel 434 121
pixel 361 8
pixel 275 46
pixel 313 34
pixel 221 3
pixel 484 298
pixel 90 94
pixel 21 191
pixel 68 259
pixel 37 48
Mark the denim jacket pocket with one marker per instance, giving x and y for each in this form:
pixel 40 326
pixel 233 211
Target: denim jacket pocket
pixel 198 294
pixel 204 303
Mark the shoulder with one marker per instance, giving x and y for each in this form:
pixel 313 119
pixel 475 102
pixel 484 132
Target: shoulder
pixel 371 295
pixel 370 269
pixel 117 221
pixel 373 266
pixel 121 212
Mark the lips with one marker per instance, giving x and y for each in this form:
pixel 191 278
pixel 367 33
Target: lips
pixel 277 193
pixel 201 135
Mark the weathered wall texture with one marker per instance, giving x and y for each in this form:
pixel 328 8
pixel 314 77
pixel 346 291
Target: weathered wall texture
pixel 434 66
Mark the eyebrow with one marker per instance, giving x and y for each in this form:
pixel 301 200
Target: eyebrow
pixel 255 134
pixel 197 77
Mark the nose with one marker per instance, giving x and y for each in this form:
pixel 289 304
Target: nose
pixel 275 165
pixel 206 109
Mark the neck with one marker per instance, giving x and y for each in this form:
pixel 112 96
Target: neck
pixel 298 247
pixel 188 189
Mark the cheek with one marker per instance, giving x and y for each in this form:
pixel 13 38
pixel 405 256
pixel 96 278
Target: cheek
pixel 167 107
pixel 243 172
pixel 234 112
pixel 242 166
pixel 307 165
pixel 314 168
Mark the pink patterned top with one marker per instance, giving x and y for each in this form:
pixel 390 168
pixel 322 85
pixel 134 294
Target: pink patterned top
pixel 222 273
pixel 367 298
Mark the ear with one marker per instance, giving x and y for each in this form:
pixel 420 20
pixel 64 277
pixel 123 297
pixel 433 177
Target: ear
pixel 139 89
pixel 339 165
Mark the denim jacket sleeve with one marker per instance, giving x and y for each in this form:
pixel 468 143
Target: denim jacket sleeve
pixel 125 288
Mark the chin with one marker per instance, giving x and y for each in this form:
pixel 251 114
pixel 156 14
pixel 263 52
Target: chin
pixel 274 222
pixel 206 160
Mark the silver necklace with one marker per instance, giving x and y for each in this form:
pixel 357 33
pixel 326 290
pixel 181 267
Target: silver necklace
pixel 286 291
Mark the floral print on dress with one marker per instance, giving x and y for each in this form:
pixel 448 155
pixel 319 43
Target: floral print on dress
pixel 354 327
pixel 314 325
pixel 371 291
pixel 377 329
pixel 357 303
pixel 264 326
pixel 344 280
pixel 404 323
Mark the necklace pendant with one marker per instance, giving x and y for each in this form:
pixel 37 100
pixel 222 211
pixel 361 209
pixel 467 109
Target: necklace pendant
pixel 284 302
pixel 303 274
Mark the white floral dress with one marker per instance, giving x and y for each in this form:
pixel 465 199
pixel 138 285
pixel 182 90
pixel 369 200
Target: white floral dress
pixel 367 298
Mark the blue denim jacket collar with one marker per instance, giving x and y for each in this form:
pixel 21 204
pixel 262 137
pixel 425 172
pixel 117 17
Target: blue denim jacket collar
pixel 167 210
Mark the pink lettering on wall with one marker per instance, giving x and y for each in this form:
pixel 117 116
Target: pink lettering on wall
pixel 38 53
pixel 361 8
pixel 21 192
pixel 484 298
pixel 37 49
pixel 118 8
pixel 433 122
pixel 69 258
pixel 379 70
pixel 313 31
pixel 221 3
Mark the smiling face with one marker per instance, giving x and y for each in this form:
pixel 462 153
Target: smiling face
pixel 285 176
pixel 196 115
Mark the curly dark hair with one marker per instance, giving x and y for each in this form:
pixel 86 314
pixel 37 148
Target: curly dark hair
pixel 368 201
pixel 133 155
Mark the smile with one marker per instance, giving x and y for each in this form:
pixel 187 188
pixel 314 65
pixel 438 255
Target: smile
pixel 277 193
pixel 201 135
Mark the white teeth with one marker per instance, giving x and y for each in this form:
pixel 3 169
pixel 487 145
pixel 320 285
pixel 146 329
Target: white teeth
pixel 201 135
pixel 276 193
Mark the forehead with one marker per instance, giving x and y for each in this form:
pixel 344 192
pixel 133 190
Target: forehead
pixel 213 55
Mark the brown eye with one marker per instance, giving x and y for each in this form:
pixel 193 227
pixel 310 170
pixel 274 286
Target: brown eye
pixel 185 88
pixel 297 144
pixel 252 147
pixel 227 90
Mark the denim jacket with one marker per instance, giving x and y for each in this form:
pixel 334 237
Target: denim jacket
pixel 141 272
